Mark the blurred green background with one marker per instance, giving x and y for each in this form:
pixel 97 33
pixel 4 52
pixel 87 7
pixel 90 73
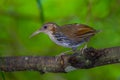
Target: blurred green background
pixel 20 18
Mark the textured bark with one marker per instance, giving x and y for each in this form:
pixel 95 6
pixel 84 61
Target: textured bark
pixel 83 59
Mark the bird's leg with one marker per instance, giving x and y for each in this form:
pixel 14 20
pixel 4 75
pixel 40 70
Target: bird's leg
pixel 74 49
pixel 85 46
pixel 82 49
pixel 64 53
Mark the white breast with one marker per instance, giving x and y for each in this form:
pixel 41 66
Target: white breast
pixel 62 43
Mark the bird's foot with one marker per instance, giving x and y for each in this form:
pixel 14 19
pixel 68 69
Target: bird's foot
pixel 62 54
pixel 59 56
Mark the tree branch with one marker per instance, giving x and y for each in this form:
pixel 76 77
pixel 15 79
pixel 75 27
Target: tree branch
pixel 83 59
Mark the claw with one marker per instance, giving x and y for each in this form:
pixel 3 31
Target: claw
pixel 62 54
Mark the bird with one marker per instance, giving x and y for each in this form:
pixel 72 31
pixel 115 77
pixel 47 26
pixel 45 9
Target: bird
pixel 69 35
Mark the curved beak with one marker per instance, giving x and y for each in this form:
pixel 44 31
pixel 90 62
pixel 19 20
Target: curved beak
pixel 35 33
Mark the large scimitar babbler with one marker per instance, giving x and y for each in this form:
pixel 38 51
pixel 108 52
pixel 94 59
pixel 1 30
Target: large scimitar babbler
pixel 70 35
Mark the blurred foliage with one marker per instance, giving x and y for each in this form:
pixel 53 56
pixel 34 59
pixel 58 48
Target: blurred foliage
pixel 20 18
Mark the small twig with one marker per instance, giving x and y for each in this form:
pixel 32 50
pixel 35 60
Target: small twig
pixel 41 11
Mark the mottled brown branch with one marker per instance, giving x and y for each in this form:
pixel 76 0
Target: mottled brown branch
pixel 84 59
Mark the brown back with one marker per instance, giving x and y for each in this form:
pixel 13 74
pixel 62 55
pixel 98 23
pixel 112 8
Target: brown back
pixel 77 32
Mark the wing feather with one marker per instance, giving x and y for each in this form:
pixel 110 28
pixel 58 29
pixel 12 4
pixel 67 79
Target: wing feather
pixel 77 32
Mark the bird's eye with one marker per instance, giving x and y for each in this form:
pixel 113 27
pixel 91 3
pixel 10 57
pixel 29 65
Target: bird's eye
pixel 45 27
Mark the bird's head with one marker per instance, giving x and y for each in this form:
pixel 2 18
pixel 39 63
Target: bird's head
pixel 47 28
